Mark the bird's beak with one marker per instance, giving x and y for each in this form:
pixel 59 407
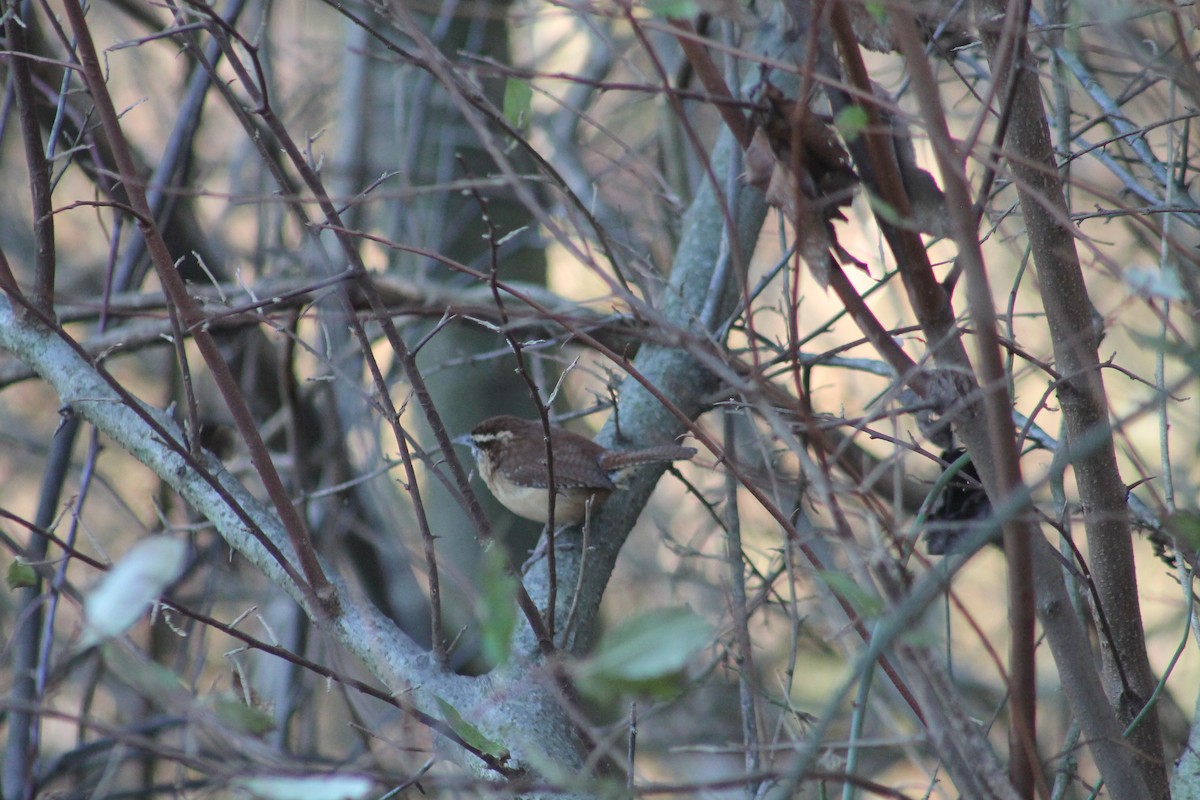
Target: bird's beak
pixel 464 440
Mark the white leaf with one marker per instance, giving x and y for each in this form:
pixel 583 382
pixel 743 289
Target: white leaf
pixel 308 787
pixel 1154 283
pixel 132 586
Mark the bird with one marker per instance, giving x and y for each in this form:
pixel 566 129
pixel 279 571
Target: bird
pixel 960 506
pixel 510 453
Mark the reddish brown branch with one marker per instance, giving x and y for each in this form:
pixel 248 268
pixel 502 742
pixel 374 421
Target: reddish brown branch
pixel 1024 771
pixel 35 160
pixel 719 94
pixel 192 315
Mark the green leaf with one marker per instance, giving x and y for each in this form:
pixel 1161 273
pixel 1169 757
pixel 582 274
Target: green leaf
pixel 865 604
pixel 468 732
pixel 1185 525
pixel 241 717
pixel 1184 351
pixel 20 575
pixel 645 655
pixel 877 10
pixel 496 607
pixel 922 637
pixel 850 122
pixel 651 645
pixel 518 100
pixel 884 209
pixel 672 8
pixel 148 678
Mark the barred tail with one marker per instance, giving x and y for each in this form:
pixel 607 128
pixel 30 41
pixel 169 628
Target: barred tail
pixel 616 460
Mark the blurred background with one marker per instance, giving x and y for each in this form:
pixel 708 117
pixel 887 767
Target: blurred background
pixel 556 147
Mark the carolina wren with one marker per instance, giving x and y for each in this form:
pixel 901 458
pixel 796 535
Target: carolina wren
pixel 511 455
